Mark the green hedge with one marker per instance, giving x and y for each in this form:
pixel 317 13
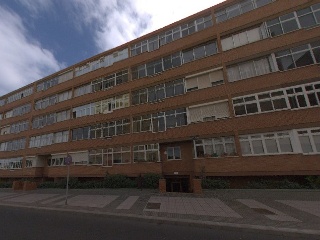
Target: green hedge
pixel 274 184
pixel 217 183
pixel 5 184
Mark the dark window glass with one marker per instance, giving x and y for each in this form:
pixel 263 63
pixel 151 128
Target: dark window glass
pixel 285 63
pixel 266 106
pixel 161 124
pixel 313 99
pixel 240 110
pixel 307 21
pixel 252 108
pixel 290 26
pixel 141 71
pixel 171 121
pixel 279 103
pixel 86 132
pixel 167 63
pixel 179 89
pixel 317 15
pixel 151 94
pixel 188 56
pixel 302 101
pixel 211 48
pixel 261 3
pixel 233 11
pixel 222 17
pixel 275 30
pixel 246 6
pixel 135 98
pixel 293 102
pixel 316 53
pixel 176 60
pixel 199 52
pixel 160 93
pixel 134 73
pixel 303 59
pixel 169 89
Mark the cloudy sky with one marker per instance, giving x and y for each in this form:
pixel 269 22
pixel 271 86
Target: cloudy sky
pixel 40 37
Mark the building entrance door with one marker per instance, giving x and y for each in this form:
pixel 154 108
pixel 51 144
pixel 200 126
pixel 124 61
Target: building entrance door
pixel 177 183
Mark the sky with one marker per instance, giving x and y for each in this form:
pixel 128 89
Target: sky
pixel 40 37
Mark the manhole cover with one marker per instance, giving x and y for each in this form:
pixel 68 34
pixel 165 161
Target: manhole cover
pixel 263 211
pixel 153 205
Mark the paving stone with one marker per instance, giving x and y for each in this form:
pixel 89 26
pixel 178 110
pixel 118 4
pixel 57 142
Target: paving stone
pixel 312 207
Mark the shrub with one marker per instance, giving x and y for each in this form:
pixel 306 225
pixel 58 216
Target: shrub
pixel 274 184
pixel 217 183
pixel 151 180
pixel 313 182
pixel 5 184
pixel 118 181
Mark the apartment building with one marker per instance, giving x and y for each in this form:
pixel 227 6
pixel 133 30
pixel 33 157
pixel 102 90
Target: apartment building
pixel 233 90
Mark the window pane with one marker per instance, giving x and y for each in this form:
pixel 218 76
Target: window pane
pixel 307 21
pixel 285 63
pixel 275 30
pixel 257 147
pixel 316 53
pixel 316 140
pixel 305 144
pixel 199 52
pixel 290 26
pixel 239 110
pixel 271 145
pixel 252 108
pixel 303 59
pixel 211 49
pixel 187 56
pixel 285 145
pixel 266 106
pixel 245 147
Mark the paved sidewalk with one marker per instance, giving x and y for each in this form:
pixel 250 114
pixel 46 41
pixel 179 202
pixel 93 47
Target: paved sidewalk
pixel 286 211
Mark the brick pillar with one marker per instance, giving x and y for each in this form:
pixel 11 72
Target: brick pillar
pixel 17 185
pixel 162 185
pixel 197 188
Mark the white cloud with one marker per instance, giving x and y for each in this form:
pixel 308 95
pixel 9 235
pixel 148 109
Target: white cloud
pixel 22 60
pixel 35 6
pixel 119 21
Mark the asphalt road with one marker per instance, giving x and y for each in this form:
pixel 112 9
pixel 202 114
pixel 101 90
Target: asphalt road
pixel 33 224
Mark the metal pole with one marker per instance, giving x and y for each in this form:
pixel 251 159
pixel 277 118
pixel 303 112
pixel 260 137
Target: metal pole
pixel 67 188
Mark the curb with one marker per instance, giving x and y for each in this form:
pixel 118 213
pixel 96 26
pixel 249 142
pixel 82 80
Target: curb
pixel 175 221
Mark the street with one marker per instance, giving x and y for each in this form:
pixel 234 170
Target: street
pixel 32 224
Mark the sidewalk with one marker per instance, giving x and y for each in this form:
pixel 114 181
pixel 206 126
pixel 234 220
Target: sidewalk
pixel 286 211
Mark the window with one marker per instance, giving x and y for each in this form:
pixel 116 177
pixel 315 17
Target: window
pixel 266 144
pixel 204 80
pixel 243 38
pixel 84 89
pixel 22 94
pixel 300 96
pixel 171 35
pixel 11 163
pixel 250 69
pixel 117 155
pixel 80 133
pixel 300 56
pixel 208 112
pixel 146 153
pixel 304 18
pixel 13 145
pixel 214 147
pixel 174 60
pixel 309 140
pixel 95 157
pixel 173 153
pixel 239 8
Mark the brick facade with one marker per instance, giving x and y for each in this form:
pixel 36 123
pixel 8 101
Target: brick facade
pixel 178 155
